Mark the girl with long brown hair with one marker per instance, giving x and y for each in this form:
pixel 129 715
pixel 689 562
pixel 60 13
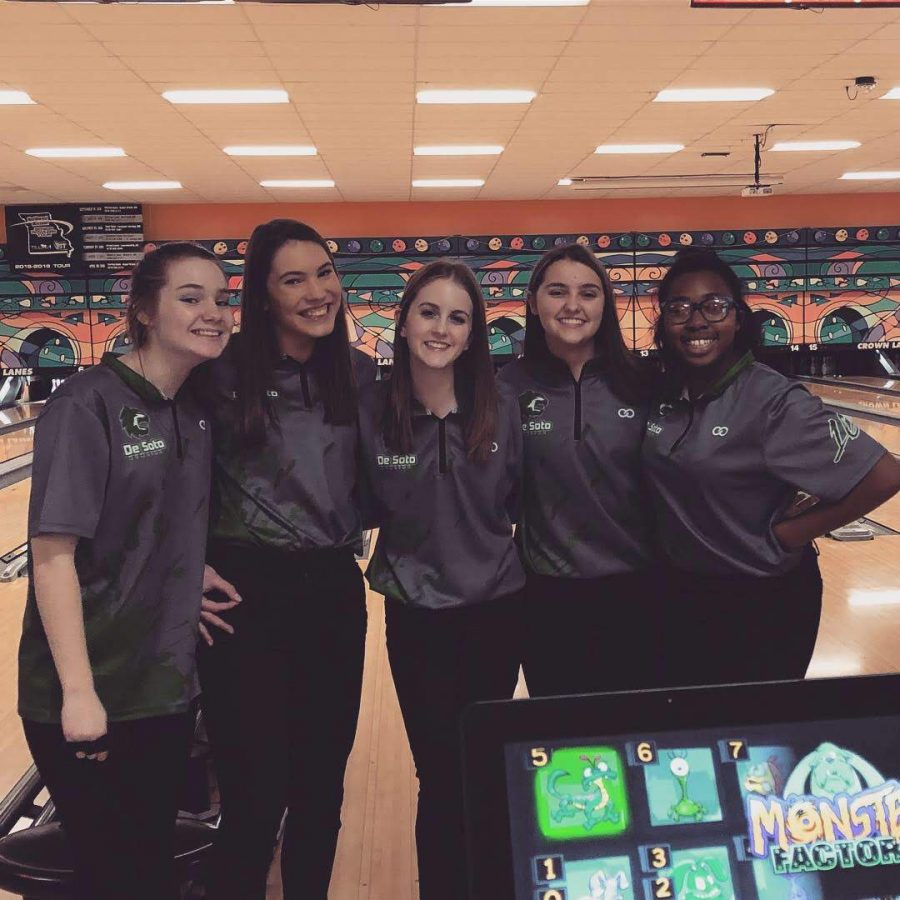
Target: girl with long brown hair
pixel 281 685
pixel 585 534
pixel 442 451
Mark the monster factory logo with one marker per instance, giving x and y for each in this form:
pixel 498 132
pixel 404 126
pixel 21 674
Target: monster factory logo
pixel 837 812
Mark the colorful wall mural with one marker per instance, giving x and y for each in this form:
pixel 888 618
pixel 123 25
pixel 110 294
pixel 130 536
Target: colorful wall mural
pixel 810 288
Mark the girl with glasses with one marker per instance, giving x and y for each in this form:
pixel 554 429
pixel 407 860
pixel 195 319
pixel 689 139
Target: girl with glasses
pixel 728 446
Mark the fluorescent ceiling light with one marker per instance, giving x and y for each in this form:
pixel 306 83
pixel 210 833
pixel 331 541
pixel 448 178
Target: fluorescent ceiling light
pixel 712 95
pixel 869 176
pixel 892 94
pixel 227 96
pixel 298 183
pixel 564 182
pixel 447 182
pixel 143 185
pixel 277 150
pixel 638 182
pixel 15 98
pixel 475 96
pixel 75 152
pixel 813 146
pixel 617 149
pixel 458 150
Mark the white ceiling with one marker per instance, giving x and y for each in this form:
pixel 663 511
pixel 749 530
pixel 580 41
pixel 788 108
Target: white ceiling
pixel 96 73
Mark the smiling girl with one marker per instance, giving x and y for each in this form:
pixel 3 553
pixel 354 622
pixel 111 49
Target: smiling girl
pixel 442 455
pixel 585 535
pixel 117 531
pixel 728 446
pixel 281 684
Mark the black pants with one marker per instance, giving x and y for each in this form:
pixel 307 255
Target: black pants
pixel 590 635
pixel 119 815
pixel 729 629
pixel 281 702
pixel 443 661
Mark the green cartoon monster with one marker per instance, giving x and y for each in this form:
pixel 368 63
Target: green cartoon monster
pixel 685 808
pixel 831 770
pixel 593 801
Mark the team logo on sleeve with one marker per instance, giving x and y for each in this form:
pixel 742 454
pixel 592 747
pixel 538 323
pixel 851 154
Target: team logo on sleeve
pixel 135 423
pixel 532 405
pixel 842 431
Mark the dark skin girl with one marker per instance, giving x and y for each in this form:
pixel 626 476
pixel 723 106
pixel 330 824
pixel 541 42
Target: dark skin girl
pixel 706 350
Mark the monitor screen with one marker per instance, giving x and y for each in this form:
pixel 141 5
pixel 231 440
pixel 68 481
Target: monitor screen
pixel 774 791
pixel 794 812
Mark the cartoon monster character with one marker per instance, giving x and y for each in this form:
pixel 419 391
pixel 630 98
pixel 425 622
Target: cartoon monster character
pixel 764 778
pixel 700 879
pixel 593 801
pixel 831 770
pixel 685 808
pixel 607 887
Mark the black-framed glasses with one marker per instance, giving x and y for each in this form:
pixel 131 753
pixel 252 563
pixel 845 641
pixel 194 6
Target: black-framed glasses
pixel 713 309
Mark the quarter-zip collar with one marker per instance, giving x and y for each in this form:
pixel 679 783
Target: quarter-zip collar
pixel 463 401
pixel 717 389
pixel 146 390
pixel 553 371
pixel 290 365
pixel 722 384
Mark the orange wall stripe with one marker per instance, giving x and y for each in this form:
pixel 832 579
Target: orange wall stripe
pixel 222 220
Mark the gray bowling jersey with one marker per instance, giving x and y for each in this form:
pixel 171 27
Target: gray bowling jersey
pixel 722 470
pixel 584 512
pixel 297 491
pixel 128 472
pixel 445 536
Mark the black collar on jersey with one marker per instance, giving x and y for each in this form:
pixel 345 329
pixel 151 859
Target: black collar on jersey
pixel 464 400
pixel 678 391
pixel 729 377
pixel 551 370
pixel 291 364
pixel 143 388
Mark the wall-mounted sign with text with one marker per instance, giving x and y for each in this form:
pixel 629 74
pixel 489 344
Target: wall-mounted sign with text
pixel 74 238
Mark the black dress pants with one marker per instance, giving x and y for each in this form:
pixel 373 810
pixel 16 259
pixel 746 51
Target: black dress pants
pixel 593 635
pixel 442 661
pixel 119 815
pixel 281 702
